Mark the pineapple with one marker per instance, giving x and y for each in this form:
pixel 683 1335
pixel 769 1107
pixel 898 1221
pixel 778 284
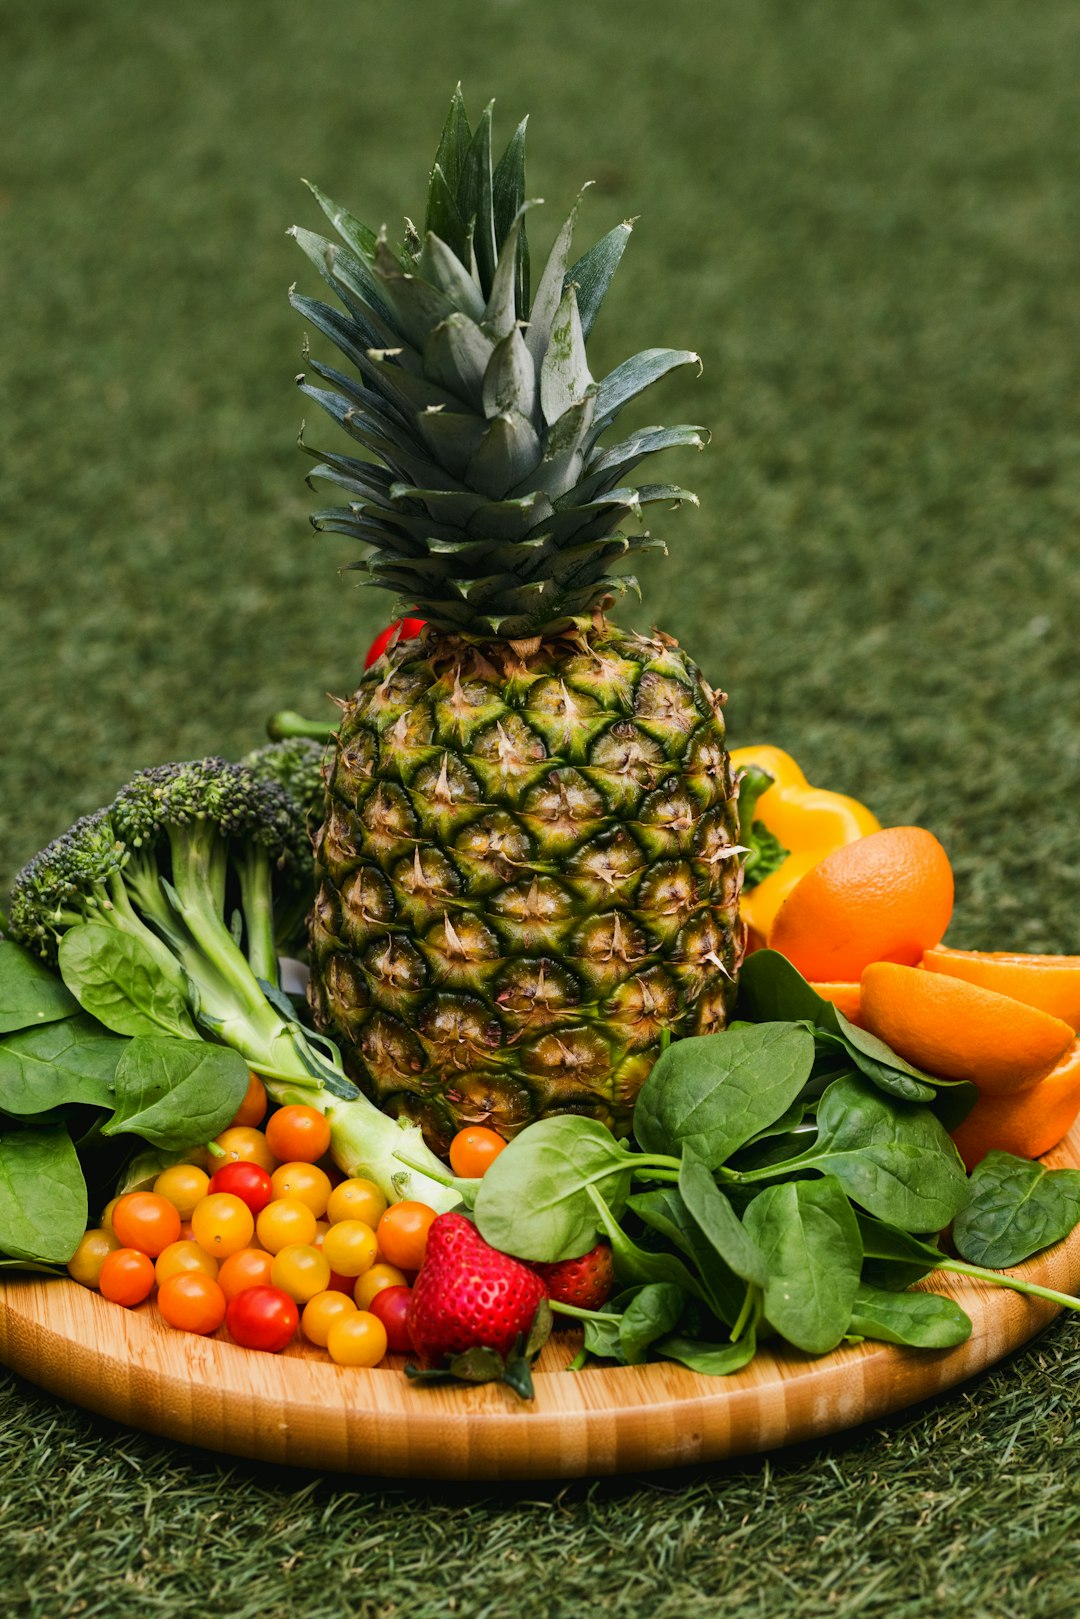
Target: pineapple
pixel 529 868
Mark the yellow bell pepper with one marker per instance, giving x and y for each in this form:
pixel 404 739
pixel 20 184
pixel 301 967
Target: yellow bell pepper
pixel 809 822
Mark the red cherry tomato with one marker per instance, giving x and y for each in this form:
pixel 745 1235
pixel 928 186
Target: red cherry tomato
pixel 248 1182
pixel 262 1318
pixel 391 1307
pixel 403 629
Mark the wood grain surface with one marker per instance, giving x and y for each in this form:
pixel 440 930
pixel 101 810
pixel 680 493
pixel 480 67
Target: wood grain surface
pixel 299 1408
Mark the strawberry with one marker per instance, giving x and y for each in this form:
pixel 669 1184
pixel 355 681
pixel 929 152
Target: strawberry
pixel 586 1282
pixel 476 1313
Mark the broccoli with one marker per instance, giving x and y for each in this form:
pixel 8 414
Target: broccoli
pixel 188 862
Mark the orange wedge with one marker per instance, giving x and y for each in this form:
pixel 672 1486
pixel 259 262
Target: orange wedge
pixel 1027 1123
pixel 959 1031
pixel 845 997
pixel 885 897
pixel 1052 983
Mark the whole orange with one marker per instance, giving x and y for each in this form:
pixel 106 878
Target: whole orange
pixel 886 897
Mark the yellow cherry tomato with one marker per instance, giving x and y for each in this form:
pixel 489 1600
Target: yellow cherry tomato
pixel 94 1248
pixel 107 1213
pixel 243 1144
pixel 300 1271
pixel 351 1247
pixel 286 1220
pixel 374 1280
pixel 222 1224
pixel 180 1257
pixel 356 1199
pixel 184 1185
pixel 357 1340
pixel 307 1182
pixel 321 1312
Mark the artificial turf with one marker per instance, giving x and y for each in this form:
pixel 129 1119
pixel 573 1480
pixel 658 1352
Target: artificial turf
pixel 865 218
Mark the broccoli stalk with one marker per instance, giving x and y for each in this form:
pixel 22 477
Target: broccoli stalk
pixel 186 862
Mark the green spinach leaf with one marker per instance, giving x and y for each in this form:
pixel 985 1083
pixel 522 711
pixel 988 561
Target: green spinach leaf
pixel 921 1320
pixel 893 1158
pixel 771 990
pixel 46 1068
pixel 894 1259
pixel 651 1313
pixel 29 993
pixel 712 1360
pixel 534 1200
pixel 1017 1209
pixel 176 1093
pixel 664 1211
pixel 718 1222
pixel 42 1195
pixel 716 1091
pixel 634 1265
pixel 116 979
pixel 809 1237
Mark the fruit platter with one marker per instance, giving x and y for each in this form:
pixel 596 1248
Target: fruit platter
pixel 508 1078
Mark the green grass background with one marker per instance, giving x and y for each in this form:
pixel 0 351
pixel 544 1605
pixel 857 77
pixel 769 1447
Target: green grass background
pixel 865 217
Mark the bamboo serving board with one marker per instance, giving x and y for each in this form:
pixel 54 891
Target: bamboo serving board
pixel 299 1408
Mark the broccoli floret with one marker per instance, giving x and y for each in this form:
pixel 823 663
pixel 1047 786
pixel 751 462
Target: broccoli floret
pixel 188 861
pixel 296 767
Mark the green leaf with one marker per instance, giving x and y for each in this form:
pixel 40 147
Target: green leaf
pixel 718 1221
pixel 564 371
pixel 61 1063
pixel 892 1158
pixel 116 978
pixel 712 1360
pixel 1017 1209
pixel 534 1200
pixel 592 273
pixel 176 1093
pixel 636 1266
pixel 633 377
pixel 475 199
pixel 651 1314
pixel 718 1090
pixel 507 197
pixel 29 993
pixel 43 1206
pixel 809 1236
pixel 771 990
pixel 894 1259
pixel 664 1210
pixel 922 1320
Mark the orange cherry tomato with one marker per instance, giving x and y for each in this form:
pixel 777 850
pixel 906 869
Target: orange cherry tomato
pixel 252 1109
pixel 183 1185
pixel 193 1302
pixel 242 1144
pixel 181 1257
pixel 146 1221
pixel 307 1182
pixel 473 1150
pixel 403 1232
pixel 94 1248
pixel 222 1224
pixel 248 1267
pixel 298 1133
pixel 126 1276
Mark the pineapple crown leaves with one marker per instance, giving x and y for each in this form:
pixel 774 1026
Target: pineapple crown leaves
pixel 493 510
